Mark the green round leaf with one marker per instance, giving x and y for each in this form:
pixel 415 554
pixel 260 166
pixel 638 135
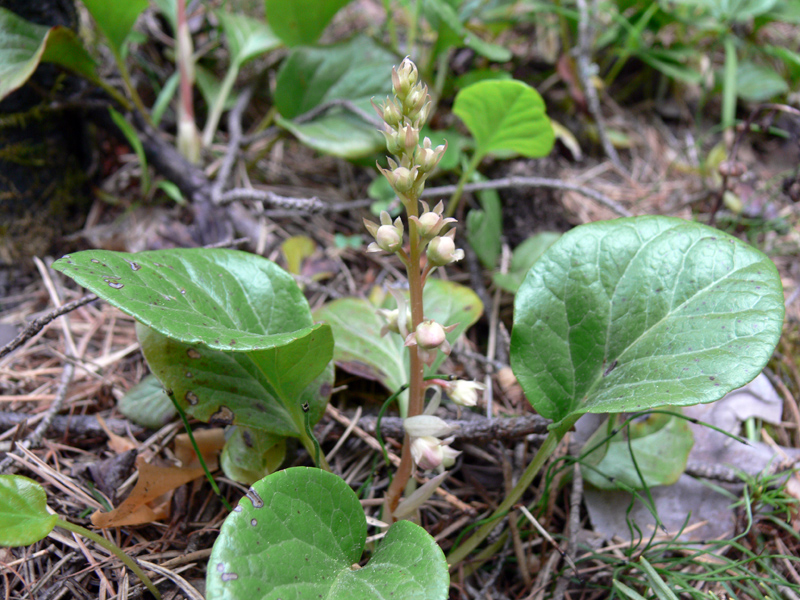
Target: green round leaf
pixel 247 38
pixel 299 534
pixel 523 258
pixel 505 115
pixel 23 511
pixel 643 312
pixel 225 299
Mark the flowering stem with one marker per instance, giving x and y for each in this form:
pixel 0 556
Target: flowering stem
pixel 416 375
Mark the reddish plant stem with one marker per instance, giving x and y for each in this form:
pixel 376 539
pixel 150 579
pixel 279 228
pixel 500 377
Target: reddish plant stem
pixel 416 390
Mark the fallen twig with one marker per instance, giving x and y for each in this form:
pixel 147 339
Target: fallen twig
pixel 234 143
pixel 543 182
pixel 478 430
pixel 37 325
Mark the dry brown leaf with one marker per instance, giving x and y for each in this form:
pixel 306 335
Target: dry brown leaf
pixel 117 443
pixel 210 443
pixel 153 482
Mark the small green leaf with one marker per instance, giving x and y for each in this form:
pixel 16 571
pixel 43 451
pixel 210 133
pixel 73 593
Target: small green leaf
pixel 505 116
pixel 147 404
pixel 296 249
pixel 115 19
pixel 23 511
pixel 301 22
pixel 300 533
pixel 660 445
pixel 250 454
pixel 485 227
pixel 522 259
pixel 247 38
pixel 23 45
pixel 643 312
pixel 309 77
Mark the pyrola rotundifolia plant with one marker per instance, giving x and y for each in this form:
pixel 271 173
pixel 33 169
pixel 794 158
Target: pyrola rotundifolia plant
pixel 425 445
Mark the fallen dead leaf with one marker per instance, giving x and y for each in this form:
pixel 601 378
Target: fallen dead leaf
pixel 117 443
pixel 145 503
pixel 210 443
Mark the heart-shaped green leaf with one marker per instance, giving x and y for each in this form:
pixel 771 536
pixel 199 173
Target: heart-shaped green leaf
pixel 24 44
pixel 23 511
pixel 115 19
pixel 643 312
pixel 361 350
pixel 300 533
pixel 225 299
pixel 309 77
pixel 660 445
pixel 301 22
pixel 505 116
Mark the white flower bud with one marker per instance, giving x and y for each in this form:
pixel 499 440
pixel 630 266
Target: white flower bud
pixel 403 179
pixel 430 335
pixel 442 250
pixel 431 222
pixel 388 238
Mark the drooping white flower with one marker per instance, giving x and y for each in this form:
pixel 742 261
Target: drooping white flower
pixel 464 393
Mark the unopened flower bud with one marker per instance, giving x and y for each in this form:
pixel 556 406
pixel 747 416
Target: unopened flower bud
pixel 427 157
pixel 388 237
pixel 404 78
pixel 402 179
pixel 431 222
pixel 407 138
pixel 430 335
pixel 391 114
pixel 442 250
pixel 394 144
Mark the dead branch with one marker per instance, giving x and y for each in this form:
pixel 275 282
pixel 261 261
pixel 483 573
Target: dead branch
pixel 37 325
